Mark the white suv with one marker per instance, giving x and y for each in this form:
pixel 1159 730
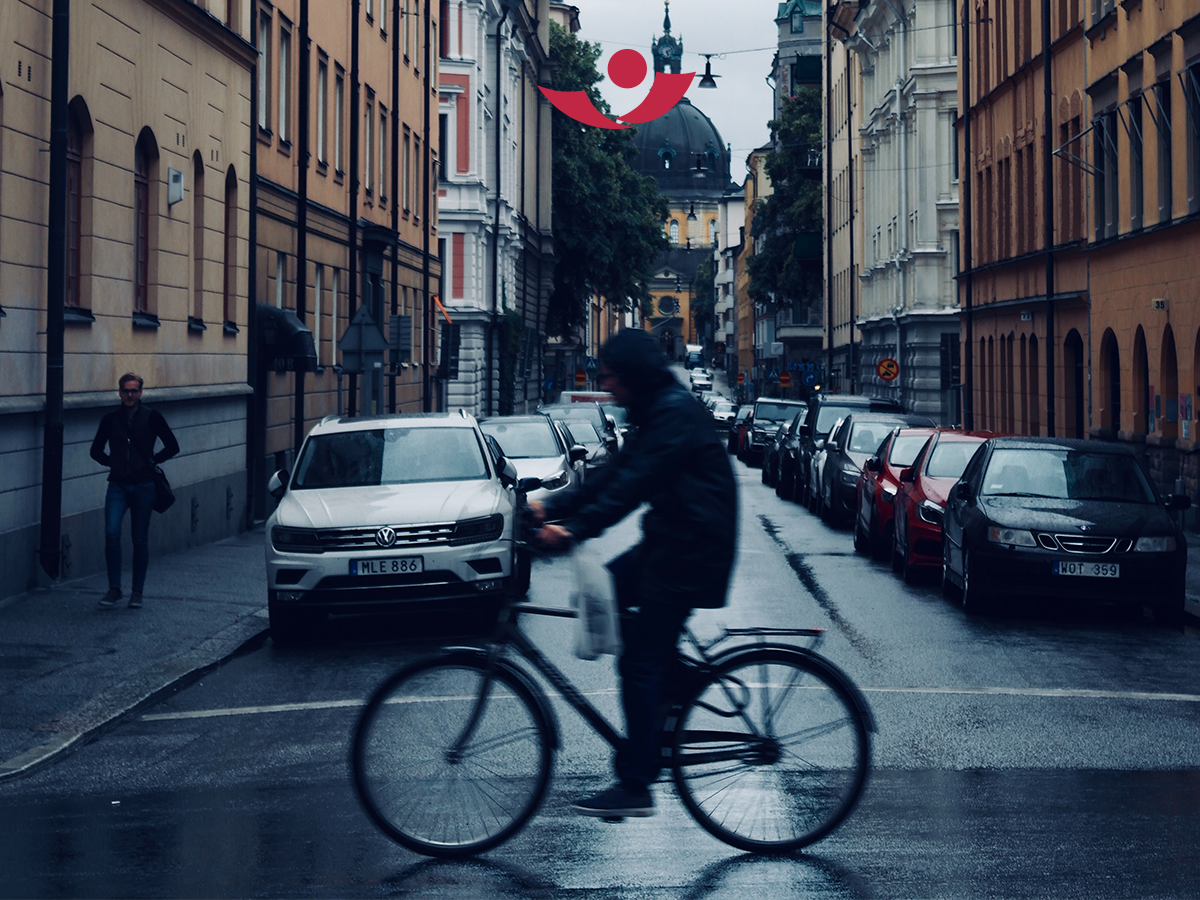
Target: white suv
pixel 386 510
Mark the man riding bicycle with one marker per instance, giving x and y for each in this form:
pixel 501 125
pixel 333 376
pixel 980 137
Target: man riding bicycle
pixel 677 465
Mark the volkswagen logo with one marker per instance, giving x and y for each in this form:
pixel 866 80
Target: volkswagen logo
pixel 385 536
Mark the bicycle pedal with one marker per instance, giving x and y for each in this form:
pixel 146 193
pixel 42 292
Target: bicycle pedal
pixel 614 820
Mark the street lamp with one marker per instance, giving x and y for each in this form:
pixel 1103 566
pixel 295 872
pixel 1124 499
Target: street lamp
pixel 709 79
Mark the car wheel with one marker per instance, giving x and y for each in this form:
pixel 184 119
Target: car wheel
pixel 949 588
pixel 973 596
pixel 907 571
pixel 862 543
pixel 876 538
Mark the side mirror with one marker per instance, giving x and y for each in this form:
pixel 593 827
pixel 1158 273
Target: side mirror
pixel 908 475
pixel 819 444
pixel 577 452
pixel 1177 502
pixel 277 485
pixel 962 491
pixel 528 485
pixel 507 471
pixel 612 423
pixel 874 464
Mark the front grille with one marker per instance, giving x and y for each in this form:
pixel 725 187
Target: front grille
pixel 407 537
pixel 1083 543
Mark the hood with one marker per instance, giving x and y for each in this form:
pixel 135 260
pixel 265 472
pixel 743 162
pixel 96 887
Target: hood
pixel 1101 516
pixel 399 504
pixel 938 489
pixel 636 358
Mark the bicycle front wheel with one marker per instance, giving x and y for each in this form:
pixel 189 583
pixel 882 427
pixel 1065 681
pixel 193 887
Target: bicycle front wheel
pixel 438 784
pixel 772 753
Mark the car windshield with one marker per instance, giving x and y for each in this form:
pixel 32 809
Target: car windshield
pixel 829 414
pixel 905 449
pixel 950 458
pixel 723 407
pixel 744 414
pixel 774 412
pixel 583 432
pixel 390 456
pixel 523 440
pixel 617 412
pixel 1066 475
pixel 865 437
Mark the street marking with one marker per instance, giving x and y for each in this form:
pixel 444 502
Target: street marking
pixel 1061 693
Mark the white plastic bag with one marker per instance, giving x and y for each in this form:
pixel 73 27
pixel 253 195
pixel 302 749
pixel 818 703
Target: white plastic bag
pixel 599 627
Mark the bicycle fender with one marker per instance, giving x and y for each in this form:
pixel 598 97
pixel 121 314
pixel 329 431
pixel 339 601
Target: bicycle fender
pixel 834 672
pixel 476 654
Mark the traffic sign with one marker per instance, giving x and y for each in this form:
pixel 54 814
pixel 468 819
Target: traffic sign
pixel 580 378
pixel 809 377
pixel 888 369
pixel 591 364
pixel 741 378
pixel 785 379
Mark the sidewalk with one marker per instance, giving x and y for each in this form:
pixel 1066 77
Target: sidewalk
pixel 68 668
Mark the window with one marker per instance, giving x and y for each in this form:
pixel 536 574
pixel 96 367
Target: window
pixel 369 144
pixel 370 8
pixel 444 18
pixel 1191 93
pixel 333 317
pixel 322 111
pixel 405 14
pixel 416 176
pixel 674 231
pixel 1134 109
pixel 198 237
pixel 1162 96
pixel 280 276
pixel 798 20
pixel 285 43
pixel 74 208
pixel 407 194
pixel 443 143
pixel 264 70
pixel 229 263
pixel 141 216
pixel 1105 138
pixel 318 310
pixel 231 15
pixel 383 123
pixel 339 92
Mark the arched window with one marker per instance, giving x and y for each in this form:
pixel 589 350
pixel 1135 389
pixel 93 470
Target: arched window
pixel 712 232
pixel 1073 365
pixel 74 209
pixel 198 238
pixel 141 229
pixel 229 261
pixel 1110 385
pixel 674 231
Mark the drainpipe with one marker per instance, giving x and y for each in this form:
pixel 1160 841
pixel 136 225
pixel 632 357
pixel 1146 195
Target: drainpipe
pixel 302 216
pixel 1048 212
pixel 352 300
pixel 425 223
pixel 395 139
pixel 965 174
pixel 850 280
pixel 902 21
pixel 56 287
pixel 492 329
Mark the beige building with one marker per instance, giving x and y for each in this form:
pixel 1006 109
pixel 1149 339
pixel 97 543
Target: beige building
pixel 158 179
pixel 346 137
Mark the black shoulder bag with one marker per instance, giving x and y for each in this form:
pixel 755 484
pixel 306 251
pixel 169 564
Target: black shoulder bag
pixel 164 497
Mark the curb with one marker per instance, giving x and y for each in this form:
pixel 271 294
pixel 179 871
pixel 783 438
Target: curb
pixel 84 721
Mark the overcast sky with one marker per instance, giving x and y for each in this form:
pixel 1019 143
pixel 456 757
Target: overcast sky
pixel 745 30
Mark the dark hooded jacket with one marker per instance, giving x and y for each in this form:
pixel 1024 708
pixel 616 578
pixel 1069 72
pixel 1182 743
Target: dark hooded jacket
pixel 677 465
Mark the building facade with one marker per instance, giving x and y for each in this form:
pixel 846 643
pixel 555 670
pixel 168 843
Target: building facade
pixel 494 195
pixel 156 257
pixel 907 310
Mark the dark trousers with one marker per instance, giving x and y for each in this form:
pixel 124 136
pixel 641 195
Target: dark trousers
pixel 139 500
pixel 650 632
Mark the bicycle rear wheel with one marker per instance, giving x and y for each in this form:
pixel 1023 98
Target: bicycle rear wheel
pixel 772 752
pixel 431 795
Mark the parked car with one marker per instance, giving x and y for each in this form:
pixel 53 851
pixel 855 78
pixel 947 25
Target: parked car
pixel 724 413
pixel 773 454
pixel 783 458
pixel 738 427
pixel 823 411
pixel 858 438
pixel 876 491
pixel 1062 519
pixel 605 423
pixel 580 431
pixel 920 501
pixel 701 380
pixel 769 414
pixel 387 511
pixel 708 397
pixel 816 466
pixel 539 450
pixel 769 449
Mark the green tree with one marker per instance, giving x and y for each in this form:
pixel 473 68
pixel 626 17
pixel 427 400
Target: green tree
pixel 607 218
pixel 704 296
pixel 787 272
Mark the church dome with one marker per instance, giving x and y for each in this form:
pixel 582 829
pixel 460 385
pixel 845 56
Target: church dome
pixel 684 152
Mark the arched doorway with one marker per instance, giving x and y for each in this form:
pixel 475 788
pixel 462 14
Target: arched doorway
pixel 1035 399
pixel 1109 386
pixel 1140 421
pixel 1073 383
pixel 1168 379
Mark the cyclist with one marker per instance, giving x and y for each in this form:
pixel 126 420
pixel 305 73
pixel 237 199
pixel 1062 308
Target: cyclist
pixel 677 465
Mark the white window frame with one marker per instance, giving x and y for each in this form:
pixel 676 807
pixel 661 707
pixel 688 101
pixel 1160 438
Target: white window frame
pixel 369 145
pixel 285 46
pixel 382 153
pixel 264 70
pixel 339 93
pixel 322 110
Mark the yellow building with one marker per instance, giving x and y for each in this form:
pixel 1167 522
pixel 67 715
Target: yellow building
pixel 158 182
pixel 749 314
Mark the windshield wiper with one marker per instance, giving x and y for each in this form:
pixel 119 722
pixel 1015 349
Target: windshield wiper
pixel 1024 494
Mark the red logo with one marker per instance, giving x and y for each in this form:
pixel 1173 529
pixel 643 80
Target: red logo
pixel 627 69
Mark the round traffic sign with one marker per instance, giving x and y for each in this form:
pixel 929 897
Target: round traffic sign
pixel 741 377
pixel 809 378
pixel 580 378
pixel 888 369
pixel 785 379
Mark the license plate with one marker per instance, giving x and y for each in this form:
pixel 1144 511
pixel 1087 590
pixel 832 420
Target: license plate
pixel 1087 569
pixel 388 565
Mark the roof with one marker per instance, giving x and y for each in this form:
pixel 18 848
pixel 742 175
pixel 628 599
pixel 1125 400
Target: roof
pixel 687 139
pixel 397 420
pixel 1045 443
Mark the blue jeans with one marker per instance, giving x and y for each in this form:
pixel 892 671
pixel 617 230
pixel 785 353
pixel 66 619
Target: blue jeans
pixel 650 634
pixel 139 500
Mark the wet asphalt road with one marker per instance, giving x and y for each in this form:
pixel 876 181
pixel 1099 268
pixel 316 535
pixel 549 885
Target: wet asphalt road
pixel 1045 753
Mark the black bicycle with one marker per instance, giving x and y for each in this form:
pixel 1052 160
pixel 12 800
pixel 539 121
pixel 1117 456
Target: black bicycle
pixel 767 741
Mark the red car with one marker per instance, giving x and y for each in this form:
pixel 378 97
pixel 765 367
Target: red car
pixel 921 500
pixel 877 487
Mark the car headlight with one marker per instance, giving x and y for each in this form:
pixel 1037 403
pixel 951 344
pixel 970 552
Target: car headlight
pixel 554 482
pixel 932 513
pixel 1013 537
pixel 295 540
pixel 1154 545
pixel 476 531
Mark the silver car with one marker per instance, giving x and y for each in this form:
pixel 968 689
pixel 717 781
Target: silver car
pixel 538 449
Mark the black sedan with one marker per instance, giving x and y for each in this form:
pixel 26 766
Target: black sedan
pixel 1062 519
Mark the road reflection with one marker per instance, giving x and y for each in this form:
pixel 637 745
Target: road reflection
pixel 795 875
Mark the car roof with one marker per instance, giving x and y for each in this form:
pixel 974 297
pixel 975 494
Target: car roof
pixel 534 417
pixel 1045 443
pixel 779 400
pixel 854 400
pixel 888 417
pixel 460 419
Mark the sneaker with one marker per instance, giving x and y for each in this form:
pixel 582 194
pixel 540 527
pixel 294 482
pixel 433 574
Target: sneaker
pixel 109 600
pixel 617 802
pixel 135 600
